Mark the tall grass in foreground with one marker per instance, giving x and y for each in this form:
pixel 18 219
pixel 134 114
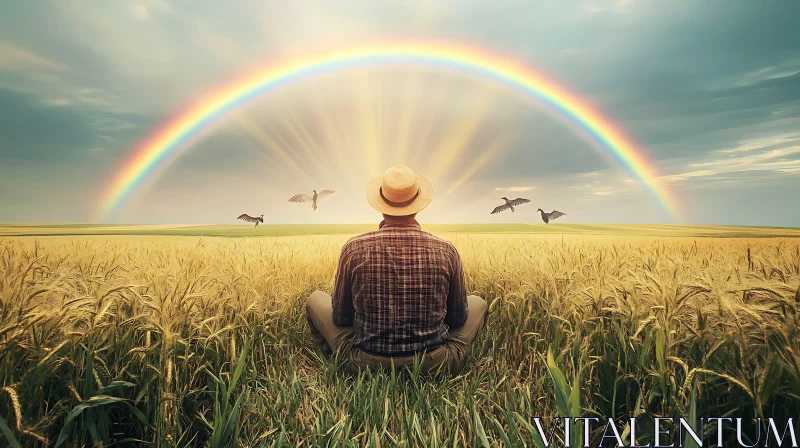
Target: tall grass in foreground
pixel 203 342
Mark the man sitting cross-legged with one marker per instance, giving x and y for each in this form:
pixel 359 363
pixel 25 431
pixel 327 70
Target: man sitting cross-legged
pixel 399 291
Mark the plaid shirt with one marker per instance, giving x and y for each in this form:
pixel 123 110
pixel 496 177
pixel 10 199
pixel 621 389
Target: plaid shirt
pixel 400 288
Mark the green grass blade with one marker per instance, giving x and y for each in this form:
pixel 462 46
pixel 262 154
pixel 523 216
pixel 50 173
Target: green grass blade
pixel 8 434
pixel 560 387
pixel 500 432
pixel 688 441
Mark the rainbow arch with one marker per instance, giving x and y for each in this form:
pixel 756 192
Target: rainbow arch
pixel 168 139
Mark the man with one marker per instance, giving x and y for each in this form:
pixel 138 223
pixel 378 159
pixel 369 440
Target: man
pixel 399 291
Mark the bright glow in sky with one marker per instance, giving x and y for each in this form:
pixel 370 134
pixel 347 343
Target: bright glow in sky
pixel 717 110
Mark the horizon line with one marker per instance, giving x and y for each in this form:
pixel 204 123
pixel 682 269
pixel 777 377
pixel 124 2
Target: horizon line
pixel 375 223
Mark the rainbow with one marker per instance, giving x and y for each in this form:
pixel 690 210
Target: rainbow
pixel 167 140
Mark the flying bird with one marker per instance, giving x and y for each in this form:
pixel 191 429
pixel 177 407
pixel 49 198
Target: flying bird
pixel 547 217
pixel 510 203
pixel 313 198
pixel 248 218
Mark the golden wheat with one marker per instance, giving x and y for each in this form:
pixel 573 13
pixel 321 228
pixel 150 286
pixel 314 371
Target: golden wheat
pixel 176 339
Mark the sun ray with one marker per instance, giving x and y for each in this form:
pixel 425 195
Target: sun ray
pixel 365 120
pixel 493 150
pixel 420 137
pixel 297 132
pixel 403 129
pixel 261 136
pixel 336 144
pixel 378 106
pixel 319 144
pixel 458 136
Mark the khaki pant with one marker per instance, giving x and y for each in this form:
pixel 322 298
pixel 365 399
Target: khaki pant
pixel 447 357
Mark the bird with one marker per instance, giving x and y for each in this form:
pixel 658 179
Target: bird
pixel 509 204
pixel 546 217
pixel 248 218
pixel 313 198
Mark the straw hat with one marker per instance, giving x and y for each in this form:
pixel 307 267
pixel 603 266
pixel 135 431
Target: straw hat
pixel 399 192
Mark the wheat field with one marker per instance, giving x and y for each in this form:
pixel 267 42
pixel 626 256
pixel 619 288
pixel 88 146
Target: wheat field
pixel 202 341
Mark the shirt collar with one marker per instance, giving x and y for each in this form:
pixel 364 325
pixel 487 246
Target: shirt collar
pixel 399 222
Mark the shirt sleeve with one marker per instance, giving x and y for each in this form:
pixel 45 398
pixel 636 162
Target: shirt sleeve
pixel 457 310
pixel 342 298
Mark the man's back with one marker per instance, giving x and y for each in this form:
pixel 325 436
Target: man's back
pixel 400 288
pixel 399 291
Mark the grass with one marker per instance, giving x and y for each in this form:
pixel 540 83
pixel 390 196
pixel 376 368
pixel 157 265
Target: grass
pixel 202 341
pixel 349 229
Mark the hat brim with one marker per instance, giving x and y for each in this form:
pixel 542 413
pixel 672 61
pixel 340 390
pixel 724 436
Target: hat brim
pixel 422 200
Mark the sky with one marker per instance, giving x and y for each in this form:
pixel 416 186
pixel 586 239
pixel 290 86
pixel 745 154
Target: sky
pixel 708 91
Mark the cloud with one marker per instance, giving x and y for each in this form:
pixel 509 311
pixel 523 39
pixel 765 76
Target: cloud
pixel 750 159
pixel 34 130
pixel 52 131
pixel 110 124
pixel 514 188
pixel 15 57
pixel 602 183
pixel 615 6
pixel 782 70
pixel 594 7
pixel 144 9
pixel 57 101
pixel 783 160
pixel 605 191
pixel 764 142
pixel 141 12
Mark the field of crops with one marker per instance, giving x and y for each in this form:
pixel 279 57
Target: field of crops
pixel 242 231
pixel 202 341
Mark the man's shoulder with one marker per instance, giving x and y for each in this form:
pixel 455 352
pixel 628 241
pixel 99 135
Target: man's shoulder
pixel 359 240
pixel 441 242
pixel 371 238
